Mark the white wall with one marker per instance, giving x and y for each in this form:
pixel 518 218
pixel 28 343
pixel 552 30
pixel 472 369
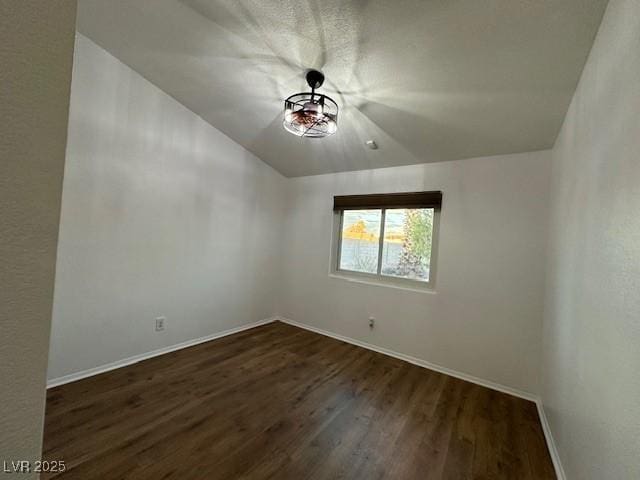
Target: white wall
pixel 485 317
pixel 591 374
pixel 36 52
pixel 162 215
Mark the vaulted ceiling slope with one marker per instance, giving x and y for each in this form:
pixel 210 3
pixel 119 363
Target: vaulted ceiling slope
pixel 428 80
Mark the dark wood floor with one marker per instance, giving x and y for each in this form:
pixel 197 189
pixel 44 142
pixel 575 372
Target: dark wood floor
pixel 280 402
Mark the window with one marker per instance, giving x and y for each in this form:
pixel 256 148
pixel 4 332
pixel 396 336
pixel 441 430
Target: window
pixel 393 241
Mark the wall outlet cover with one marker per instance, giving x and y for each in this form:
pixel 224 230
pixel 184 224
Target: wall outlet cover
pixel 160 323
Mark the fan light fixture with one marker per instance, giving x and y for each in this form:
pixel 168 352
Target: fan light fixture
pixel 311 114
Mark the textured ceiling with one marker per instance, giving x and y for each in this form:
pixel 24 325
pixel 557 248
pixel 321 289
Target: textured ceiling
pixel 428 80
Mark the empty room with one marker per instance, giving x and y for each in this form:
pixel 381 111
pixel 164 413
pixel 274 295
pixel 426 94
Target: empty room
pixel 339 239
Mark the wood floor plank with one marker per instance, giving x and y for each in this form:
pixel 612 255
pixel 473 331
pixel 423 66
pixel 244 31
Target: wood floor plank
pixel 279 402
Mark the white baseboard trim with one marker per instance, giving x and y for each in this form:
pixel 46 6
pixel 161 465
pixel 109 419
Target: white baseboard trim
pixel 463 376
pixel 417 361
pixel 551 444
pixel 72 377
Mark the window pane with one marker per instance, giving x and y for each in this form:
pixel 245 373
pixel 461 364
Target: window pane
pixel 406 250
pixel 360 240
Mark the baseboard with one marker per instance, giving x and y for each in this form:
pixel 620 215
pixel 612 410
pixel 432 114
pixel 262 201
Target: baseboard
pixel 72 377
pixel 417 361
pixel 551 444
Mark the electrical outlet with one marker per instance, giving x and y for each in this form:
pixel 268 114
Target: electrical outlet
pixel 372 322
pixel 160 324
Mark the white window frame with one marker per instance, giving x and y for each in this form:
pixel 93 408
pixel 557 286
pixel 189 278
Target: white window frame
pixel 378 278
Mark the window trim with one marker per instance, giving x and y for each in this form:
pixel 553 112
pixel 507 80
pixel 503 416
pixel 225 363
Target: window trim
pixel 378 278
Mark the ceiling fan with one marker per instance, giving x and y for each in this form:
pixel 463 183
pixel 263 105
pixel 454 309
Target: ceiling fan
pixel 311 114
